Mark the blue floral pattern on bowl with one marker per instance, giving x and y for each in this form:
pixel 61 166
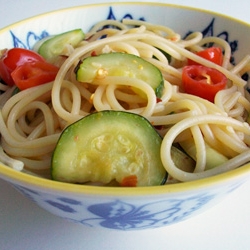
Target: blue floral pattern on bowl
pixel 32 38
pixel 121 215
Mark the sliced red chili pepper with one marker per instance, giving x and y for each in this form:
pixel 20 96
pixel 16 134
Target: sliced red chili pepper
pixel 32 74
pixel 158 99
pixel 203 81
pixel 93 53
pixel 129 181
pixel 13 58
pixel 213 54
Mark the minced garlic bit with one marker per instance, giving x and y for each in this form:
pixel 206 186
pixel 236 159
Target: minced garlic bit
pixel 101 73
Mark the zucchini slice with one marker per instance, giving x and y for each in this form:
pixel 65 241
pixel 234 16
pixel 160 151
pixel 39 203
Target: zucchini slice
pixel 56 45
pixel 107 147
pixel 120 64
pixel 213 157
pixel 182 161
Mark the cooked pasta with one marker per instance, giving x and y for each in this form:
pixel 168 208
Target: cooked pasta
pixel 32 120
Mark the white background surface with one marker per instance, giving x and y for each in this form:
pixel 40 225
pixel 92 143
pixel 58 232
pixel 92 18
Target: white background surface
pixel 25 226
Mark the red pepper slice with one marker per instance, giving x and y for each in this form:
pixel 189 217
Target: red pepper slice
pixel 203 81
pixel 213 54
pixel 32 74
pixel 13 58
pixel 129 181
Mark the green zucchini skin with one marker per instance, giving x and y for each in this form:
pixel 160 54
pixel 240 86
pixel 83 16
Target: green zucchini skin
pixel 106 147
pixel 120 64
pixel 55 45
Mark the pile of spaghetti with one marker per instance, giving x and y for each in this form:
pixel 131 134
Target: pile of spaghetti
pixel 32 120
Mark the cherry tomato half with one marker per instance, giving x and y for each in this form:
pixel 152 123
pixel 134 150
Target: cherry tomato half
pixel 203 81
pixel 213 54
pixel 13 58
pixel 34 73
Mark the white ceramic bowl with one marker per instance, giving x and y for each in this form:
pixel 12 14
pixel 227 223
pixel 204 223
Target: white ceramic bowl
pixel 127 208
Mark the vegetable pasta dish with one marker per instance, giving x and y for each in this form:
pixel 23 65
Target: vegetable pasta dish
pixel 127 103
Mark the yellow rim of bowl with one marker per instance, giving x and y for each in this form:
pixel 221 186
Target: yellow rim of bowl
pixel 38 183
pixel 15 177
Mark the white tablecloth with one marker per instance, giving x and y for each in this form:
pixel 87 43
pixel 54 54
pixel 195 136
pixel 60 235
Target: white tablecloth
pixel 25 226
